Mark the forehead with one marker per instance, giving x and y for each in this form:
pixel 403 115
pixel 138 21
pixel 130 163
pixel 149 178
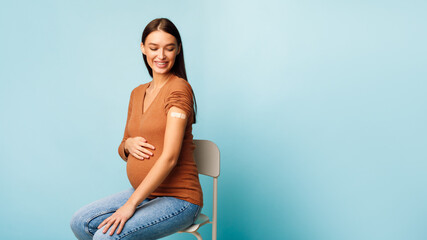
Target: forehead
pixel 160 38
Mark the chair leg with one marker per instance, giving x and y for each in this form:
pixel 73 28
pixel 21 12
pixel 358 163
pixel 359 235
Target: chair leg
pixel 215 208
pixel 198 236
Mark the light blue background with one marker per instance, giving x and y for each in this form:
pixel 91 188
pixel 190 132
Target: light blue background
pixel 318 107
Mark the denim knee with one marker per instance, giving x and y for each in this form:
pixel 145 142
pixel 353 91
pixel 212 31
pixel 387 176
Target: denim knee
pixel 99 235
pixel 79 227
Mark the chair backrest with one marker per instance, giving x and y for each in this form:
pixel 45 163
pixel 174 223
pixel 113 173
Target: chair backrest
pixel 207 157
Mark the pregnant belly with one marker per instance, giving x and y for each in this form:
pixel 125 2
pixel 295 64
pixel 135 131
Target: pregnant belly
pixel 137 169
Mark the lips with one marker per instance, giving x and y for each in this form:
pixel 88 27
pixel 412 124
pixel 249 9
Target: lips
pixel 161 64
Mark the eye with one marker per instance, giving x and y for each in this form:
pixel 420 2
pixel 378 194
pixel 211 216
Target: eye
pixel 153 49
pixel 171 49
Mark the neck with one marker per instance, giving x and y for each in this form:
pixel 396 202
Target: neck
pixel 160 79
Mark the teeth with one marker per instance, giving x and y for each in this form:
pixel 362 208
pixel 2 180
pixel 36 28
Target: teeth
pixel 161 63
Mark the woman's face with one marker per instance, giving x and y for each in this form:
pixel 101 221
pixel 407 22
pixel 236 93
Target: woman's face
pixel 160 48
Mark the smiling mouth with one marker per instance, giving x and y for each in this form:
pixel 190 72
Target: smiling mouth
pixel 161 64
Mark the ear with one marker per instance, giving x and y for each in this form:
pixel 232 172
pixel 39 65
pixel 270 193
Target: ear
pixel 143 48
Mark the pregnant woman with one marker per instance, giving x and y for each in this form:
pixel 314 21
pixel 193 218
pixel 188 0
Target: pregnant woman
pixel 158 147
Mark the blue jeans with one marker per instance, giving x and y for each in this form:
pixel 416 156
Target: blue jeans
pixel 153 218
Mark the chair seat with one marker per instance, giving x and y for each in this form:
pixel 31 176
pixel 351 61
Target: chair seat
pixel 201 220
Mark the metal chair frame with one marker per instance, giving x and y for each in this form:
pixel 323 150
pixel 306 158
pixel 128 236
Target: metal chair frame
pixel 207 157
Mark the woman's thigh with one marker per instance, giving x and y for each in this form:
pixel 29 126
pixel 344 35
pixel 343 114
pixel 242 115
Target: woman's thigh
pixel 155 219
pixel 86 220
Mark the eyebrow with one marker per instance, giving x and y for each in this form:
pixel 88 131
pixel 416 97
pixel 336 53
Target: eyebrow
pixel 170 44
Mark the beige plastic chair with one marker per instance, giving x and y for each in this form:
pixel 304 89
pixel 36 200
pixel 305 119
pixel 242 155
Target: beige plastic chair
pixel 207 159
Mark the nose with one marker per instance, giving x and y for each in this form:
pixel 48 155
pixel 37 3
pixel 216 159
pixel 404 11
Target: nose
pixel 162 54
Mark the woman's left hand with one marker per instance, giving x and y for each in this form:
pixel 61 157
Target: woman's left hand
pixel 118 219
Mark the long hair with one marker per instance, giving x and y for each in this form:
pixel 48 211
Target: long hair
pixel 178 69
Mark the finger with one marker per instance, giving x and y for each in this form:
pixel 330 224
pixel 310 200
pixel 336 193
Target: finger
pixel 108 225
pixel 137 155
pixel 147 145
pixel 147 149
pixel 121 226
pixel 113 228
pixel 144 152
pixel 103 223
pixel 141 140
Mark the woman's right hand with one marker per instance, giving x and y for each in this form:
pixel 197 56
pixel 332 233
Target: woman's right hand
pixel 138 147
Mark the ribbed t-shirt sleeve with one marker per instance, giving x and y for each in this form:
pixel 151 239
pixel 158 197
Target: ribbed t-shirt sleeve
pixel 180 96
pixel 121 149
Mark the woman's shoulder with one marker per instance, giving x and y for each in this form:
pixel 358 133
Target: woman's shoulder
pixel 179 84
pixel 139 89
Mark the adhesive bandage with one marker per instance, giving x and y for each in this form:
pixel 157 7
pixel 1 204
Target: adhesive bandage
pixel 178 115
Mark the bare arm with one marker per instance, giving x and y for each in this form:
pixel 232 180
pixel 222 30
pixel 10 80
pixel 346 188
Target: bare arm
pixel 174 134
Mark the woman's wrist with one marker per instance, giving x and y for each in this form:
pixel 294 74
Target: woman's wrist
pixel 125 146
pixel 132 201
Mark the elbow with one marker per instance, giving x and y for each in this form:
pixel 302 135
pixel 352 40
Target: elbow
pixel 171 161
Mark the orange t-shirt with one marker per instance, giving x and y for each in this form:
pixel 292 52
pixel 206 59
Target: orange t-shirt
pixel 183 181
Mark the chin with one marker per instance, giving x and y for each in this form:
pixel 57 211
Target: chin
pixel 161 71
